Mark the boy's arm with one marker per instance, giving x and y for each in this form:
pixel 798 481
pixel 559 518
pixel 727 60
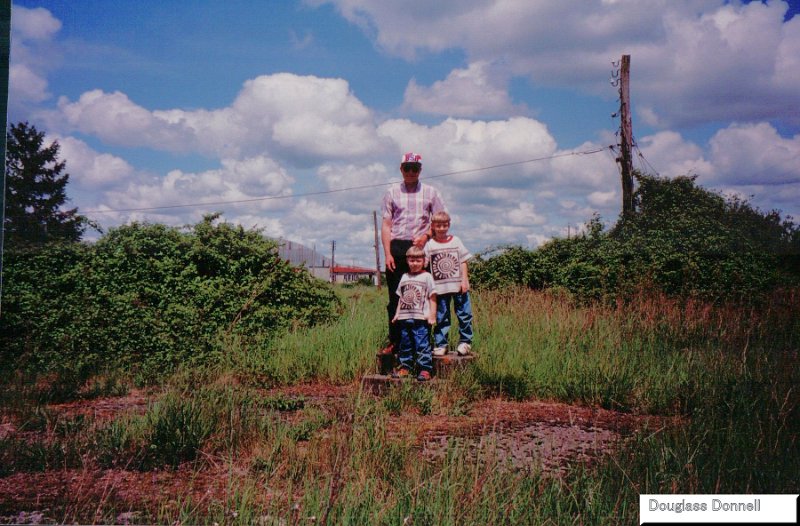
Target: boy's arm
pixel 464 278
pixel 432 312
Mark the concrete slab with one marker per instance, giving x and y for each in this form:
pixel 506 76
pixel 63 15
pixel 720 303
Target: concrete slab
pixel 444 365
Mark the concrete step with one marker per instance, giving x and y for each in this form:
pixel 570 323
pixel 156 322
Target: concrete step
pixel 442 365
pixel 382 381
pixel 445 365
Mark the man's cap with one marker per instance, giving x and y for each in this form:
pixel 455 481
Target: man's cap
pixel 411 157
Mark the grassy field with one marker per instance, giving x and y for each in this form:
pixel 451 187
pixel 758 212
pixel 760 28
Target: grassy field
pixel 727 373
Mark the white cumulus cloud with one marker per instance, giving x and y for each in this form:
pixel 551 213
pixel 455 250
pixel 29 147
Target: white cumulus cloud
pixel 301 117
pixel 89 168
pixel 755 154
pixel 31 57
pixel 475 91
pixel 693 61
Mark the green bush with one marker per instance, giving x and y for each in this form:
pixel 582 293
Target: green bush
pixel 682 239
pixel 147 297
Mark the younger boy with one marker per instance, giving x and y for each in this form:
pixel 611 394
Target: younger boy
pixel 448 260
pixel 416 312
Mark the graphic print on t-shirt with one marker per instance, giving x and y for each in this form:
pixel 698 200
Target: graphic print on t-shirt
pixel 445 265
pixel 412 298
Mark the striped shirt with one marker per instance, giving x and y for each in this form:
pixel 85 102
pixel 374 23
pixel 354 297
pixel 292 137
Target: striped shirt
pixel 410 212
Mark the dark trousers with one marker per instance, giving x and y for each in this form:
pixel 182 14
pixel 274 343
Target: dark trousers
pixel 398 248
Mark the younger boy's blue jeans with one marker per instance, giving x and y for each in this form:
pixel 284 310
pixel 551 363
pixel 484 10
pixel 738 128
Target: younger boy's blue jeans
pixel 415 342
pixel 463 308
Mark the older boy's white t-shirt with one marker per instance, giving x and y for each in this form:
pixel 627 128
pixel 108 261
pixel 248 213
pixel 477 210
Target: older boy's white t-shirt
pixel 415 291
pixel 445 260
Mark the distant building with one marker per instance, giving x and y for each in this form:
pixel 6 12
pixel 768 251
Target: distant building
pixel 323 273
pixel 298 254
pixel 320 266
pixel 343 274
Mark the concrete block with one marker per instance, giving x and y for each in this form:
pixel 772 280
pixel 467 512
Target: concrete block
pixel 444 365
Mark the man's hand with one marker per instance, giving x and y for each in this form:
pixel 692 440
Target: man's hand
pixel 386 241
pixel 420 241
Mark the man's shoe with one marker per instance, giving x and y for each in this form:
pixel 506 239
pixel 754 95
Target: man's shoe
pixel 401 373
pixel 440 351
pixel 424 376
pixel 464 348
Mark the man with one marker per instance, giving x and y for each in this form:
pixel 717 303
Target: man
pixel 407 210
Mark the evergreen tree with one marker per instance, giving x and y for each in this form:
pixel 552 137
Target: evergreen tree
pixel 36 191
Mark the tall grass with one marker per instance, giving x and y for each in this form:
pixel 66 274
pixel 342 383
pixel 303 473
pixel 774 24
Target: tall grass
pixel 358 472
pixel 337 352
pixel 653 354
pixel 729 371
pixel 650 354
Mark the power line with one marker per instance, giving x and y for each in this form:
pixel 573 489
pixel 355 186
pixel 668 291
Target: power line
pixel 338 190
pixel 642 157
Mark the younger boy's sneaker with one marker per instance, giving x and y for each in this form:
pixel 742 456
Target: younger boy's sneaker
pixel 423 376
pixel 401 373
pixel 464 348
pixel 440 351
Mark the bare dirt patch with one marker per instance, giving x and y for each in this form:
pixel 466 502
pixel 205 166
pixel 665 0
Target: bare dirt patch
pixel 549 435
pixel 106 408
pixel 61 495
pixel 535 435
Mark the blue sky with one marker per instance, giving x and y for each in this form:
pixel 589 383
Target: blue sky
pixel 162 103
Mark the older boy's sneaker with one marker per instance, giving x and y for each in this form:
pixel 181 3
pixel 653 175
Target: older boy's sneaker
pixel 389 349
pixel 440 351
pixel 423 376
pixel 464 348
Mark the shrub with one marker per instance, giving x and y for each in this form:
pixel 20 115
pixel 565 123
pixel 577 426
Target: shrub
pixel 147 297
pixel 682 240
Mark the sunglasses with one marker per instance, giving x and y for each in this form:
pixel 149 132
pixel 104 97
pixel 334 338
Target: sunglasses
pixel 412 168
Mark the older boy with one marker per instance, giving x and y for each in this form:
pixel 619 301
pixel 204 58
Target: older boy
pixel 416 312
pixel 448 262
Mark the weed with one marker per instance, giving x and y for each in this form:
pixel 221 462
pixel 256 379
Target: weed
pixel 313 422
pixel 283 403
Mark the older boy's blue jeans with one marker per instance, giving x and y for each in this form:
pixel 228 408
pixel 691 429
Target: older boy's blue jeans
pixel 463 308
pixel 415 341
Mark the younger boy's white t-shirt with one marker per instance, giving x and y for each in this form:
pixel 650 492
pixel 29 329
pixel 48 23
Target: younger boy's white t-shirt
pixel 415 291
pixel 445 260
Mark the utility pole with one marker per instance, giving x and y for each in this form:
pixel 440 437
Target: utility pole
pixel 625 158
pixel 333 259
pixel 377 251
pixel 5 52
